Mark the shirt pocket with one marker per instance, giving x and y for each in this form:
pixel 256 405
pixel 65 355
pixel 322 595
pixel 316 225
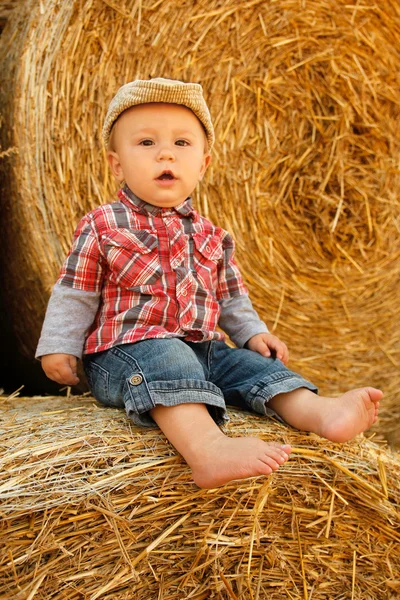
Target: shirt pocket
pixel 132 256
pixel 208 254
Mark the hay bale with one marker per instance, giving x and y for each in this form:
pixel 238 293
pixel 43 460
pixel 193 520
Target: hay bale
pixel 6 8
pixel 93 507
pixel 305 99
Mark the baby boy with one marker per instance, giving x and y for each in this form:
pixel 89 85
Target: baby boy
pixel 144 287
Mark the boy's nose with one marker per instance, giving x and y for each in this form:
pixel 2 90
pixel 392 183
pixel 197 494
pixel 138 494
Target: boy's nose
pixel 166 153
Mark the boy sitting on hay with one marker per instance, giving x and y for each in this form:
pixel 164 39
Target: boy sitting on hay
pixel 144 287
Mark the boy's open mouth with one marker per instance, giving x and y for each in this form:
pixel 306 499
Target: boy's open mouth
pixel 166 175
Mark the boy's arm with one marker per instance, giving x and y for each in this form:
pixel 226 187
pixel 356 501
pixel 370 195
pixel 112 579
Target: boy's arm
pixel 75 297
pixel 243 325
pixel 69 315
pixel 239 319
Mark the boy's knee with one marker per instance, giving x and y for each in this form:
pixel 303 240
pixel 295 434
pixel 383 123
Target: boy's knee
pixel 167 359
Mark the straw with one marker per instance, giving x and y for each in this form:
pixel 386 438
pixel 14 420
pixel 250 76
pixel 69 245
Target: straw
pixel 6 9
pixel 79 520
pixel 305 99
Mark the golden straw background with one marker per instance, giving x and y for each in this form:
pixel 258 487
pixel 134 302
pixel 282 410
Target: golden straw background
pixel 305 174
pixel 305 99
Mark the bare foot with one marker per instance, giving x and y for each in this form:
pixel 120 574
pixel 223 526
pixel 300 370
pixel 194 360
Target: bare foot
pixel 352 413
pixel 213 457
pixel 336 419
pixel 224 459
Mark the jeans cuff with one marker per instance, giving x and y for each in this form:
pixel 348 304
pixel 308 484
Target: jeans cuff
pixel 280 383
pixel 139 402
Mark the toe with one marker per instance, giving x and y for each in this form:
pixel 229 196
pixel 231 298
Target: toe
pixel 264 468
pixel 270 462
pixel 277 455
pixel 374 394
pixel 281 457
pixel 285 448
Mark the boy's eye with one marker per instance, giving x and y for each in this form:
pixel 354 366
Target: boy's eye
pixel 146 142
pixel 182 143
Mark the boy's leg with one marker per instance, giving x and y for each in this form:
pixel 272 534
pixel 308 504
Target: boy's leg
pixel 164 381
pixel 213 457
pixel 337 419
pixel 264 383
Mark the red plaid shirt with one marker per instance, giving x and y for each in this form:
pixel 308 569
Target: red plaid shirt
pixel 161 272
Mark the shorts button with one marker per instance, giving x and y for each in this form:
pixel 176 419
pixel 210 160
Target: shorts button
pixel 136 379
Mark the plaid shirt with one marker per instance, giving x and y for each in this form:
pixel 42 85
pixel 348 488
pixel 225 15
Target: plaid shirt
pixel 161 272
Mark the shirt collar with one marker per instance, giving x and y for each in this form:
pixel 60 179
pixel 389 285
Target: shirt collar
pixel 125 194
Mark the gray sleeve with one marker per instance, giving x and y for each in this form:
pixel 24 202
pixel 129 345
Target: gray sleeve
pixel 239 319
pixel 69 314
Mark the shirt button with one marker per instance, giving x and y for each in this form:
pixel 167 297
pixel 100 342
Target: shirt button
pixel 136 379
pixel 208 249
pixel 184 293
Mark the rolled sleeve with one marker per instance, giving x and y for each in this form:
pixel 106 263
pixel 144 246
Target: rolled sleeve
pixel 69 315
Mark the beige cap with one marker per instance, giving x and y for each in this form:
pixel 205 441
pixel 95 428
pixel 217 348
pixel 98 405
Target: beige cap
pixel 159 90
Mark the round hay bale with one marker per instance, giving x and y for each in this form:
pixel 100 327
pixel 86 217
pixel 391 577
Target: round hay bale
pixel 6 8
pixel 305 100
pixel 93 507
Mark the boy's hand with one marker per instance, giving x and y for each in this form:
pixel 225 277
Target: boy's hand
pixel 60 368
pixel 267 344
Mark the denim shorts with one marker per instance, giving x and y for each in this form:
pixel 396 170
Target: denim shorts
pixel 170 371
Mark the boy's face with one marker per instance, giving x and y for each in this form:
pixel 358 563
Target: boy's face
pixel 160 151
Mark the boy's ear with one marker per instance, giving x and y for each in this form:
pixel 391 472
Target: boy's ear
pixel 113 161
pixel 206 162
